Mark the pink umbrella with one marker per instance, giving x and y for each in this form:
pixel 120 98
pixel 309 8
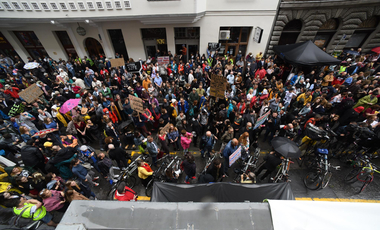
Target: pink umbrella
pixel 69 105
pixel 376 50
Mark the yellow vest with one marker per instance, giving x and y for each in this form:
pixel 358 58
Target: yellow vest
pixel 38 215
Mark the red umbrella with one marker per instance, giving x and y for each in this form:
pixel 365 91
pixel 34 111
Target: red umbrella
pixel 44 132
pixel 376 50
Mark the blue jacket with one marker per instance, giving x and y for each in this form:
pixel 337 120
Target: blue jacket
pixel 151 149
pixel 229 149
pixel 80 171
pixel 293 80
pixel 186 106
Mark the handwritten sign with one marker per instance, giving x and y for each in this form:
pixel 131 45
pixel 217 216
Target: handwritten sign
pixel 117 62
pixel 218 86
pixel 261 120
pixel 136 103
pixel 163 60
pixel 133 67
pixel 166 128
pixel 30 94
pixel 235 156
pixel 15 109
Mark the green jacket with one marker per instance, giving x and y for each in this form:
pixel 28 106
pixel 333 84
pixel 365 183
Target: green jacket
pixel 364 100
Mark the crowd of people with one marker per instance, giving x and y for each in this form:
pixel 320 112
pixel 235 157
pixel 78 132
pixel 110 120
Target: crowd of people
pixel 62 165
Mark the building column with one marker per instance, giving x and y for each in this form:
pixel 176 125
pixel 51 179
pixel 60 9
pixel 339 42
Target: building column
pixel 74 41
pixel 134 43
pixel 17 46
pixel 209 33
pixel 170 40
pixel 52 47
pixel 108 51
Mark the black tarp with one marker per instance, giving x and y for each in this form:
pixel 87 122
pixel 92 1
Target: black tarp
pixel 305 53
pixel 220 192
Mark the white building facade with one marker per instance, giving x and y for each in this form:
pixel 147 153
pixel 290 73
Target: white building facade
pixel 134 28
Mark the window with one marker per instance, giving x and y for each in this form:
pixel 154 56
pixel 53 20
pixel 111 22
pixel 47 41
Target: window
pixel 238 40
pixel 63 6
pixel 364 30
pixel 99 5
pixel 186 33
pixel 90 6
pixel 290 32
pixel 118 43
pixel 127 4
pixel 82 6
pixel 6 48
pixel 54 6
pixel 35 5
pixel 66 43
pixel 31 43
pixel 326 32
pixel 118 5
pixel 7 5
pixel 72 6
pixel 45 6
pixel 108 5
pixel 26 5
pixel 16 6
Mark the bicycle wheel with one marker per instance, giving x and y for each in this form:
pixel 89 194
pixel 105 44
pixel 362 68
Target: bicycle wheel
pixel 366 183
pixel 149 189
pixel 352 175
pixel 130 181
pixel 326 179
pixel 313 180
pixel 111 194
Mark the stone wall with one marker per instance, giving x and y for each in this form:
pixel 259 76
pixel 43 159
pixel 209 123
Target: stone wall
pixel 314 15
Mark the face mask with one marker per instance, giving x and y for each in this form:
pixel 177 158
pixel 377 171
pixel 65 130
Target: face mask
pixel 250 128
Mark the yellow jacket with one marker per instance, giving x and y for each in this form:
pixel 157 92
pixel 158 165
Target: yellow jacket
pixel 142 173
pixel 306 100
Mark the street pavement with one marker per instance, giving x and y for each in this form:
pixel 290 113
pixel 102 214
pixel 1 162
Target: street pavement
pixel 336 190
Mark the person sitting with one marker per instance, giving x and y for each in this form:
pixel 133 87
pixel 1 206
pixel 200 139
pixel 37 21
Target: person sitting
pixel 249 179
pixel 124 193
pixel 53 200
pixel 71 195
pixel 69 141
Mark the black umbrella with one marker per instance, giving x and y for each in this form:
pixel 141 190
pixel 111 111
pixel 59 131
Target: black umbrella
pixel 286 147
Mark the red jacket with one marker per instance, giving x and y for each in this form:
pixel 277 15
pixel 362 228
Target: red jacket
pixel 13 92
pixel 127 196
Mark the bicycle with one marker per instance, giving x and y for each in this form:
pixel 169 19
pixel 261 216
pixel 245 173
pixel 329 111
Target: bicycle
pixel 159 174
pixel 208 163
pixel 363 174
pixel 282 173
pixel 321 175
pixel 126 176
pixel 248 166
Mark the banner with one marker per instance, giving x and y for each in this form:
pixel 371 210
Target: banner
pixel 218 86
pixel 30 94
pixel 136 103
pixel 13 110
pixel 235 156
pixel 261 120
pixel 163 60
pixel 117 62
pixel 133 67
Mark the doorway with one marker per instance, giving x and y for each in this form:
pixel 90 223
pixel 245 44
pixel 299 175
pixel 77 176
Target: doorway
pixel 94 48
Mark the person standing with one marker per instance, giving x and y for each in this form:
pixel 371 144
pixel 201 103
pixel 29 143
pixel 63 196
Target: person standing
pixel 189 167
pixel 82 173
pixel 271 161
pixel 119 155
pixel 153 149
pixel 228 150
pixel 207 144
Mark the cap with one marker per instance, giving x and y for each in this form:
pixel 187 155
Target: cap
pixel 48 144
pixel 77 95
pixel 83 111
pixel 174 100
pixel 7 86
pixel 349 59
pixel 56 92
pixel 65 88
pixel 83 148
pixel 74 78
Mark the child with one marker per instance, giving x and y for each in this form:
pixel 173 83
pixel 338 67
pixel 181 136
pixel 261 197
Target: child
pixel 186 139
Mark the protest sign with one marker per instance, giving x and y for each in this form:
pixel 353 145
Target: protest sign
pixel 136 103
pixel 117 62
pixel 13 110
pixel 165 128
pixel 163 60
pixel 31 93
pixel 133 67
pixel 261 119
pixel 235 156
pixel 218 86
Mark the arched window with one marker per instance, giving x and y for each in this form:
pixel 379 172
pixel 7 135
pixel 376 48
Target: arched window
pixel 326 32
pixel 290 32
pixel 363 31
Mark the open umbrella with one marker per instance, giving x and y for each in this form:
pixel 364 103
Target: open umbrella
pixel 286 147
pixel 31 65
pixel 353 52
pixel 44 132
pixel 69 105
pixel 376 50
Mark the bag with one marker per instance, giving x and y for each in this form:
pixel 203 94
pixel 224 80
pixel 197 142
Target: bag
pixel 86 165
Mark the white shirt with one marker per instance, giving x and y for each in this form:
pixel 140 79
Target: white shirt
pixel 190 78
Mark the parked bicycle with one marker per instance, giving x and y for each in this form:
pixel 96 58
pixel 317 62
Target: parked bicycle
pixel 247 165
pixel 282 174
pixel 320 175
pixel 364 172
pixel 126 176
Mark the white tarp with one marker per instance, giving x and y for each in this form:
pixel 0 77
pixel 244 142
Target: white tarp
pixel 321 215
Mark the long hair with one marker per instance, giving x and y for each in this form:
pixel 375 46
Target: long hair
pixel 243 138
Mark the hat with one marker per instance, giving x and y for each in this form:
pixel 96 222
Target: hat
pixel 83 111
pixel 359 109
pixel 74 78
pixel 174 100
pixel 48 144
pixel 349 59
pixel 83 148
pixel 56 92
pixel 7 86
pixel 77 95
pixel 65 88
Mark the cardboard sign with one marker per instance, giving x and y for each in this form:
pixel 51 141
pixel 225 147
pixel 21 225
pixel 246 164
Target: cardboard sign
pixel 30 94
pixel 13 110
pixel 235 156
pixel 136 103
pixel 261 119
pixel 133 67
pixel 163 60
pixel 117 62
pixel 218 86
pixel 165 128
